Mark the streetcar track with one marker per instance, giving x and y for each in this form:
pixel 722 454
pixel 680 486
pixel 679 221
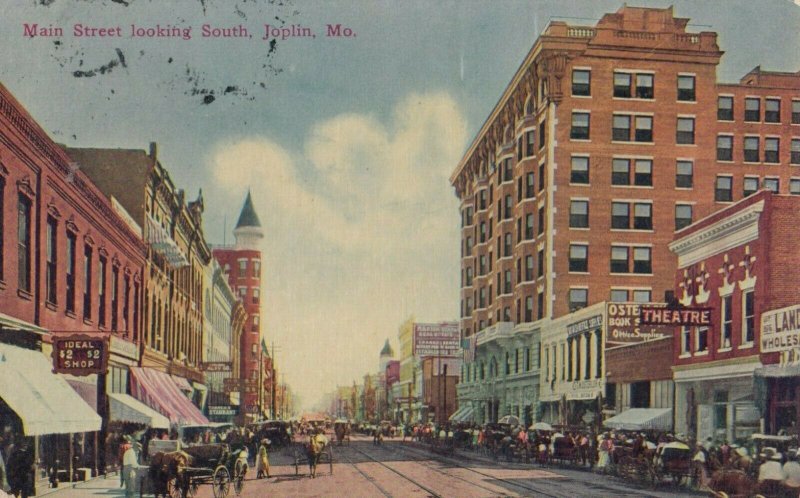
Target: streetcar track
pixel 369 478
pixel 432 493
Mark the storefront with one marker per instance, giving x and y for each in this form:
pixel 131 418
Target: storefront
pixel 161 392
pixel 572 376
pixel 42 416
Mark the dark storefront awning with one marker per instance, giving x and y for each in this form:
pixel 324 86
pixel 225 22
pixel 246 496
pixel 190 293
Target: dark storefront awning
pixel 44 402
pixel 638 419
pixel 159 391
pixel 124 408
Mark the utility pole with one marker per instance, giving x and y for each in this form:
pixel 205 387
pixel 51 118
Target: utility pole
pixel 272 378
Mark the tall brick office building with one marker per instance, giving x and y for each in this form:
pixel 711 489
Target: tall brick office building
pixel 607 139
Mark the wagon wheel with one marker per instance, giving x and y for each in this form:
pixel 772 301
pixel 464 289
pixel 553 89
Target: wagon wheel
pixel 239 471
pixel 221 483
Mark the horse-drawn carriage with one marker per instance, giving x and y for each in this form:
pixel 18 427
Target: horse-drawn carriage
pixel 341 428
pixel 634 460
pixel 673 460
pixel 317 450
pixel 772 471
pixel 563 449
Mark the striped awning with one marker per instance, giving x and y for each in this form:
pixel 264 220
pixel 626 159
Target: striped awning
pixel 161 242
pixel 159 391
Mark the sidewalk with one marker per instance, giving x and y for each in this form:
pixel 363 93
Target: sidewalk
pixel 100 486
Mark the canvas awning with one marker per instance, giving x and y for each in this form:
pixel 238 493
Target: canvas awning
pixel 125 408
pixel 638 419
pixel 454 416
pixel 778 371
pixel 159 391
pixel 463 414
pixel 44 402
pixel 161 242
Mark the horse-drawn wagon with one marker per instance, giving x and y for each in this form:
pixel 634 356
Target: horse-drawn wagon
pixel 317 450
pixel 341 428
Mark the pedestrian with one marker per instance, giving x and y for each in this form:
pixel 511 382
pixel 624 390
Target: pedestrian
pixel 605 449
pixel 262 460
pixel 21 471
pixel 129 463
pixel 4 487
pixel 124 446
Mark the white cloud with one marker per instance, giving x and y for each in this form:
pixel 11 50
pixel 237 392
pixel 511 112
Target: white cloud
pixel 361 230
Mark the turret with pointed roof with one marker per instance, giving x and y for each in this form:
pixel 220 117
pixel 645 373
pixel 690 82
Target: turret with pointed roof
pixel 248 229
pixel 387 349
pixel 386 355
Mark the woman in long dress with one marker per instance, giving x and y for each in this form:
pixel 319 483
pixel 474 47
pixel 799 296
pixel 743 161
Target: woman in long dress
pixel 262 460
pixel 604 452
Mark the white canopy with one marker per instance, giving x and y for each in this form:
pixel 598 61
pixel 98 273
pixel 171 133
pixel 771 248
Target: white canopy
pixel 463 414
pixel 126 408
pixel 44 402
pixel 637 419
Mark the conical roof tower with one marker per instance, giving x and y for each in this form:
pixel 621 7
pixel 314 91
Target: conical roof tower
pixel 248 229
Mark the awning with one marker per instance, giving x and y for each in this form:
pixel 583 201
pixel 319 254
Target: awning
pixel 87 392
pixel 162 242
pixel 44 402
pixel 778 371
pixel 463 414
pixel 159 391
pixel 124 408
pixel 182 383
pixel 637 419
pixel 11 323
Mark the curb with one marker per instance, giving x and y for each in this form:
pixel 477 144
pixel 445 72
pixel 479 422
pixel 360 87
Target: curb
pixel 76 485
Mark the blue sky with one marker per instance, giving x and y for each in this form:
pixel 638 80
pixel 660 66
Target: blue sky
pixel 346 143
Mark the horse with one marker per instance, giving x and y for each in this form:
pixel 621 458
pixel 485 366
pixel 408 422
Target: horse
pixel 164 467
pixel 316 443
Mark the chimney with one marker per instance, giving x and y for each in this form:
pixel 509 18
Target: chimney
pixel 153 150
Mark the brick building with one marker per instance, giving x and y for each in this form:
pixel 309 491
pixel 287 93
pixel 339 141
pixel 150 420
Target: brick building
pixel 177 253
pixel 739 374
pixel 607 139
pixel 242 265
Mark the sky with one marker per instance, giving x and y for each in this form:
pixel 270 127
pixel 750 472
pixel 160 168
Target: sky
pixel 346 143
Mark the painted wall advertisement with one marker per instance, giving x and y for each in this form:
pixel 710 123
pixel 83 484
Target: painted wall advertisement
pixel 626 328
pixel 780 329
pixel 437 339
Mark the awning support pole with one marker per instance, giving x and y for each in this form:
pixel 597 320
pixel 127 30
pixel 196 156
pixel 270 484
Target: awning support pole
pixel 71 457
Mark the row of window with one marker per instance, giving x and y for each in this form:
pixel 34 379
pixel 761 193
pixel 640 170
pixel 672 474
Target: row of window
pixel 723 191
pixel 520 362
pixel 630 172
pixel 751 149
pixel 624 127
pixel 626 215
pixel 525 315
pixel 242 266
pixel 752 109
pixel 580 358
pixel 578 297
pixel 633 85
pixel 695 340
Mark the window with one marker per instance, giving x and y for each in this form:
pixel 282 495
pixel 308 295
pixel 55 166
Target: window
pixel 581 82
pixel 644 86
pixel 621 128
pixel 508 170
pixel 685 131
pixel 528 268
pixel 727 322
pixel 794 186
pixel 257 262
pixel 481 205
pixel 686 345
pixel 751 149
pixel 620 171
pixel 724 148
pixel 642 296
pixel 580 126
pixel 683 216
pixel 242 268
pixel 578 298
pixel 725 108
pixel 542 135
pixel 507 283
pixel 619 259
pixel 701 336
pixel 529 186
pixel 643 173
pixel 540 263
pixel 482 265
pixel 507 245
pixel 114 299
pixel 24 243
pixel 580 170
pixel 796 112
pixel 644 129
pixel 578 258
pixel 51 255
pixel 482 298
pixel 772 147
pixel 642 216
pixel 723 191
pixel 622 85
pixel 750 185
pixel 752 109
pixel 519 149
pixel 619 295
pixel 795 152
pixel 686 88
pixel 541 221
pixel 641 260
pixel 683 174
pixel 529 226
pixel 528 316
pixel 541 177
pixel 540 305
pixel 469 275
pixel 529 140
pixel 579 214
pixel 748 317
pixel 772 184
pixel 101 291
pixel 620 215
pixel 87 282
pixel 69 272
pixel 772 111
pixel 507 213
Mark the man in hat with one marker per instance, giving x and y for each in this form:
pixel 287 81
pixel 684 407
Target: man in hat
pixel 129 463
